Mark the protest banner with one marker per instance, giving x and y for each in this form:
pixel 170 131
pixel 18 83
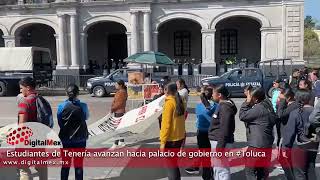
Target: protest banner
pixel 134 121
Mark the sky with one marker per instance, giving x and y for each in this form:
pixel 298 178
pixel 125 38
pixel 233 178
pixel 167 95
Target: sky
pixel 312 7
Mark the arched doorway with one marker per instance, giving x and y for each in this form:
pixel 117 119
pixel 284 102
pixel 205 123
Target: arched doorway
pixel 107 45
pixel 180 39
pixel 39 35
pixel 237 40
pixel 1 39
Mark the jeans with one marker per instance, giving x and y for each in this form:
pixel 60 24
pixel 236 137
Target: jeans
pixel 304 165
pixel 172 163
pixel 204 142
pixel 221 169
pixel 76 161
pixel 253 171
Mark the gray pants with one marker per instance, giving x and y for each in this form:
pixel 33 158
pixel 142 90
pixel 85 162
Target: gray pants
pixel 221 169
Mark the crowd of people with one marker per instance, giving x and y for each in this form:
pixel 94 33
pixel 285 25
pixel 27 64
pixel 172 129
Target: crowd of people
pixel 290 111
pixel 293 111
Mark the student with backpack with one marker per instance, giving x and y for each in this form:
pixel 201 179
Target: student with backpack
pixel 31 107
pixel 72 115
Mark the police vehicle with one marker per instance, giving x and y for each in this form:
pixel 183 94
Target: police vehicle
pixel 105 85
pixel 236 79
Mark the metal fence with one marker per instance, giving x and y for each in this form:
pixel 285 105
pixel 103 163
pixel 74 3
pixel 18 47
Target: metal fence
pixel 62 81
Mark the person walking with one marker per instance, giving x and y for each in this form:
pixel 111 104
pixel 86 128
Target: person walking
pixel 314 76
pixel 286 106
pixel 259 117
pixel 275 94
pixel 183 89
pixel 305 84
pixel 304 162
pixel 118 107
pixel 172 133
pixel 72 115
pixel 294 79
pixel 221 130
pixel 204 111
pixel 27 112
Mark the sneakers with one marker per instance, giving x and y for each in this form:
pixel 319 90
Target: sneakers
pixel 192 170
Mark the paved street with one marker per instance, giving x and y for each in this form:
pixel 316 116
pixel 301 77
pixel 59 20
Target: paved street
pixel 98 108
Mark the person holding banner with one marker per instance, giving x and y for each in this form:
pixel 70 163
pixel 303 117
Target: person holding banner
pixel 172 133
pixel 118 107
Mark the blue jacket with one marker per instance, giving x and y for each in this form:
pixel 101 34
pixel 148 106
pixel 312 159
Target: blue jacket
pixel 61 106
pixel 204 116
pixel 275 95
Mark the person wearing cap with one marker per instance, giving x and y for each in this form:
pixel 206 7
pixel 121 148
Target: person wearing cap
pixel 275 93
pixel 72 115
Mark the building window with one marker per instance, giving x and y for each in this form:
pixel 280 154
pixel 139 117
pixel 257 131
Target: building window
pixel 229 42
pixel 182 43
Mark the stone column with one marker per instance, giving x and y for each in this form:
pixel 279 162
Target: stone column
pixel 62 42
pixel 11 41
pixel 155 41
pixel 129 43
pixel 84 50
pixel 263 45
pixel 57 48
pixel 75 60
pixel 208 65
pixel 134 32
pixel 147 31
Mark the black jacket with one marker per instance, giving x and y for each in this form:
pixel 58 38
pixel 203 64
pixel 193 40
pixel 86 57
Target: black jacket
pixel 298 119
pixel 223 123
pixel 284 111
pixel 259 120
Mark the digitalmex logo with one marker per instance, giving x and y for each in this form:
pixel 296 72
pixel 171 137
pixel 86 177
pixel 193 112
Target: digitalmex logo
pixel 19 135
pixel 29 135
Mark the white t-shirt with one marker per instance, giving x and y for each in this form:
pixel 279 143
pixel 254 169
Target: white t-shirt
pixel 184 94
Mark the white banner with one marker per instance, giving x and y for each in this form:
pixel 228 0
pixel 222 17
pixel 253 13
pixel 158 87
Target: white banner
pixel 134 121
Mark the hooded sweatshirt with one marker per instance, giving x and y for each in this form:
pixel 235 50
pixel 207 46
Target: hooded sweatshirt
pixel 223 123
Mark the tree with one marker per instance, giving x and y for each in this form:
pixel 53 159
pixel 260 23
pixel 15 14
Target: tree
pixel 311 43
pixel 309 22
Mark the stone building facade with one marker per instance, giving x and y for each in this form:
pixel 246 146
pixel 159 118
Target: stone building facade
pixel 197 31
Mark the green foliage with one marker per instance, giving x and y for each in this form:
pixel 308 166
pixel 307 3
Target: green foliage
pixel 311 43
pixel 309 22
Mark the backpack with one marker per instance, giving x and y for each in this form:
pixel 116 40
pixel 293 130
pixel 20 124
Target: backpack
pixel 73 128
pixel 44 111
